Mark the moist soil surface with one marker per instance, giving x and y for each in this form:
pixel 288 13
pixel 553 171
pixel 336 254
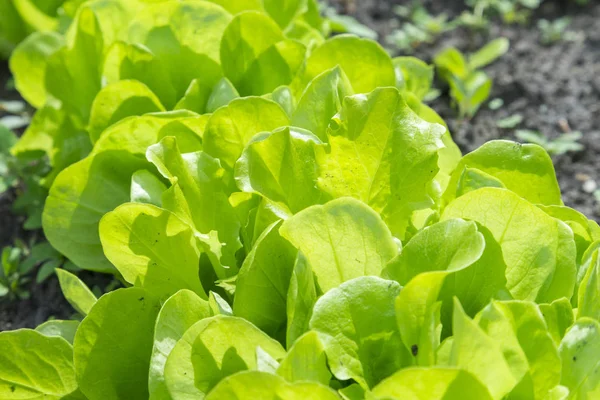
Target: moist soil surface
pixel 555 88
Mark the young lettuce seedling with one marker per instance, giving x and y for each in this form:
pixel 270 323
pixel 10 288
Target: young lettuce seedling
pixel 469 86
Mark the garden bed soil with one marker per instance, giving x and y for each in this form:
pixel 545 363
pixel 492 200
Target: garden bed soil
pixel 554 87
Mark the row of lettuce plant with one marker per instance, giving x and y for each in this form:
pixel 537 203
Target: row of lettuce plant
pixel 292 222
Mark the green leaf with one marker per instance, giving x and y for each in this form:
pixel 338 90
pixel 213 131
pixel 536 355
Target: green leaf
pixel 28 65
pixel 285 11
pixel 152 248
pixel 230 128
pixel 559 317
pixel 360 336
pixel 84 192
pixel 146 188
pixel 282 167
pixel 413 75
pixel 199 177
pixel 113 346
pixel 489 53
pixel 222 94
pixel 589 290
pixel 177 315
pixel 263 281
pixel 255 55
pixel 214 348
pixel 476 352
pixel 238 6
pixel 185 37
pixel 305 361
pixel 364 61
pixel 383 154
pixel 526 169
pixel 262 385
pixel 342 240
pixel 44 370
pixel 473 179
pixel 579 351
pixel 58 328
pixel 118 101
pixel 432 384
pixel 195 98
pixel 539 250
pixel 301 298
pixel 321 100
pixel 76 292
pixel 520 329
pixel 451 62
pixel 218 305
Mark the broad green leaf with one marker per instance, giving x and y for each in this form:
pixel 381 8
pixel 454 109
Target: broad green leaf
pixel 125 61
pixel 413 75
pixel 84 192
pixel 473 179
pixel 526 169
pixel 222 94
pixel 262 385
pixel 76 292
pixel 306 34
pixel 342 240
pixel 263 281
pixel 321 100
pixel 284 97
pixel 383 154
pixel 230 128
pixel 152 248
pixel 238 6
pixel 476 352
pixel 432 384
pixel 177 315
pixel 285 11
pixel 28 65
pixel 301 298
pixel 113 346
pixel 118 101
pixel 59 135
pixel 186 37
pixel 255 56
pixel 559 317
pixel 520 329
pixel 579 224
pixel 447 246
pixel 356 324
pixel 35 366
pixel 364 61
pixel 589 290
pixel 539 250
pixel 199 177
pixel 146 188
pixel 489 53
pixel 579 351
pixel 195 98
pixel 212 349
pixel 305 361
pixel 451 62
pixel 282 167
pixel 59 328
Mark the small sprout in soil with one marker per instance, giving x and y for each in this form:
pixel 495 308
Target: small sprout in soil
pixel 555 31
pixel 469 86
pixel 509 122
pixel 567 142
pixel 420 27
pixel 495 104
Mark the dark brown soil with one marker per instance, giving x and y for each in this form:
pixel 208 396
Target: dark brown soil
pixel 548 85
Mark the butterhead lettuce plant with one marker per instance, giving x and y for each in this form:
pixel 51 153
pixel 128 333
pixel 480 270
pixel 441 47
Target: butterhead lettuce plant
pixel 325 241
